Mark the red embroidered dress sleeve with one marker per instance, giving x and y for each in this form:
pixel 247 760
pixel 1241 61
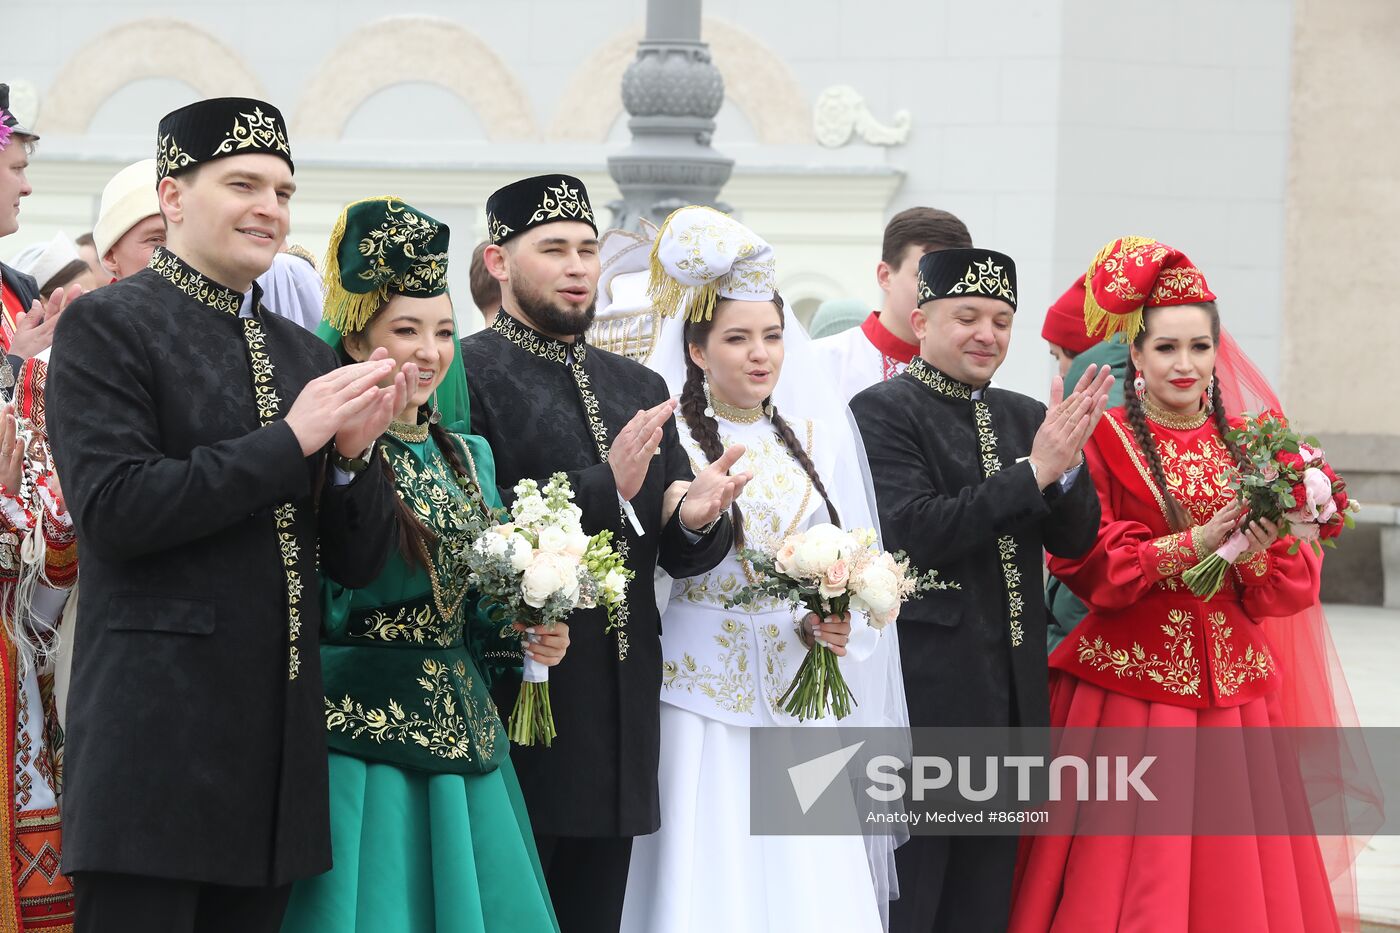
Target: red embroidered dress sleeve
pixel 1146 634
pixel 1135 552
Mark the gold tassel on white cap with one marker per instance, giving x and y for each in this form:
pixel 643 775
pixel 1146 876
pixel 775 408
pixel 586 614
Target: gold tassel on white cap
pixel 702 255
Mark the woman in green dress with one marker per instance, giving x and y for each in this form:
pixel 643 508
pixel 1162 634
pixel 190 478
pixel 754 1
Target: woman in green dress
pixel 428 827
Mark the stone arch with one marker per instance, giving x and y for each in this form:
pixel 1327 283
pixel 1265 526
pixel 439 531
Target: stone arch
pixel 756 81
pixel 414 48
pixel 148 48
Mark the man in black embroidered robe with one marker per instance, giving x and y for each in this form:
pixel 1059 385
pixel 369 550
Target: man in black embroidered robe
pixel 195 435
pixel 973 482
pixel 548 402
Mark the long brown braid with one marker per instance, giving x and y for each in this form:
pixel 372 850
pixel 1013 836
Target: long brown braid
pixel 705 430
pixel 1177 516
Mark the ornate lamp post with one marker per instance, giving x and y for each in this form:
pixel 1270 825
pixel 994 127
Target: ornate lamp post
pixel 672 92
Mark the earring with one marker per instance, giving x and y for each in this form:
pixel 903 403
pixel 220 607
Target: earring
pixel 769 408
pixel 434 416
pixel 1208 405
pixel 1140 387
pixel 709 402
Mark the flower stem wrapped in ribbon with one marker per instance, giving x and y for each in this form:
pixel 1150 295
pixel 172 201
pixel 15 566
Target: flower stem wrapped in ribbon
pixel 830 571
pixel 1286 480
pixel 538 568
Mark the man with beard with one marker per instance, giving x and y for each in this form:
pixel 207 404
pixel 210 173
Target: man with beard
pixel 548 402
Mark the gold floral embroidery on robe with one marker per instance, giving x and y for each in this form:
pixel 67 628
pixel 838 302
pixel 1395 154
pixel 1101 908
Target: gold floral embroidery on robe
pixel 1173 554
pixel 729 686
pixel 1176 668
pixel 415 625
pixel 1255 565
pixel 557 351
pixel 1198 475
pixel 1229 672
pixel 445 731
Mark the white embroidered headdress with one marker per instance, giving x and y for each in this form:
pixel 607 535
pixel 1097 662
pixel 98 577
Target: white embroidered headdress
pixel 702 255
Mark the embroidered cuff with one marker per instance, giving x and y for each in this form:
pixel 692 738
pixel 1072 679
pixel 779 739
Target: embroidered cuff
pixel 1169 556
pixel 58 523
pixel 1254 569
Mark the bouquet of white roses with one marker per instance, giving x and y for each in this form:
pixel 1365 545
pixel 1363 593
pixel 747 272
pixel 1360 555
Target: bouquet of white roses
pixel 538 568
pixel 829 571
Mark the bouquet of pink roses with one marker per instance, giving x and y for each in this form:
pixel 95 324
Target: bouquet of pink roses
pixel 538 568
pixel 1286 480
pixel 829 571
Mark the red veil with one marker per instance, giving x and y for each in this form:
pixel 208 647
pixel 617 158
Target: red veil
pixel 1341 781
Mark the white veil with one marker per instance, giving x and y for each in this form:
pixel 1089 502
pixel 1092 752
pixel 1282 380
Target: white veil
pixel 806 390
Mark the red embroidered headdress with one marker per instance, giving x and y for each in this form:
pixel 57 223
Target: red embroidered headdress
pixel 1131 273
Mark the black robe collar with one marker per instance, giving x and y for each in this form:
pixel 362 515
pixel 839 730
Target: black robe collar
pixel 941 383
pixel 542 345
pixel 199 286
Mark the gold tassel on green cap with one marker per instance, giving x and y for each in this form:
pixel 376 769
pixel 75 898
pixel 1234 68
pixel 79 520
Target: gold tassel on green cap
pixel 380 247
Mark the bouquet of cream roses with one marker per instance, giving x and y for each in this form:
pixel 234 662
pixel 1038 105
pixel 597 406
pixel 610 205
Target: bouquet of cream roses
pixel 538 568
pixel 829 571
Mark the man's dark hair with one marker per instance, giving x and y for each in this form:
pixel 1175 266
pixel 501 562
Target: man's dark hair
pixel 922 226
pixel 85 239
pixel 486 291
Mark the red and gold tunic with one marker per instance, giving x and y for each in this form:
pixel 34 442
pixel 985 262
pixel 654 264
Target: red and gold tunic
pixel 1147 635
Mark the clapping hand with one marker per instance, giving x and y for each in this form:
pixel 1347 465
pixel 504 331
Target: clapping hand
pixel 34 328
pixel 350 405
pixel 638 441
pixel 713 490
pixel 1070 422
pixel 11 453
pixel 362 426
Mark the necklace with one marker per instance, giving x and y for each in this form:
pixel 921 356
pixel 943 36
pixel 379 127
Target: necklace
pixel 735 414
pixel 408 433
pixel 1171 419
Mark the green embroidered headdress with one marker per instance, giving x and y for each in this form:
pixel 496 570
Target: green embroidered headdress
pixel 381 247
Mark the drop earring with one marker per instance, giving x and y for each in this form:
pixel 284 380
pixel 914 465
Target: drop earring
pixel 1140 387
pixel 709 402
pixel 434 415
pixel 1208 401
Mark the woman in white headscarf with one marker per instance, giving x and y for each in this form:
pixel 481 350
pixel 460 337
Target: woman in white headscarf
pixel 724 669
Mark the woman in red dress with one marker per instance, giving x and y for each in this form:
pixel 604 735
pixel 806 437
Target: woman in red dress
pixel 1151 653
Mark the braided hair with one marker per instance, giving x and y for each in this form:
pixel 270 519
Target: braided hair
pixel 1177 516
pixel 705 430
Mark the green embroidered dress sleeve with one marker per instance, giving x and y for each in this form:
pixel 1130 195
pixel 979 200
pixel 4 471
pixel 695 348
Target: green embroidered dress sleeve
pixel 404 658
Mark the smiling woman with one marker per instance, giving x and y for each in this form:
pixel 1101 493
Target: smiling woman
pixel 386 287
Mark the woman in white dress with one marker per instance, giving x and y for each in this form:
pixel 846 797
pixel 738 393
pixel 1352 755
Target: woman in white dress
pixel 725 670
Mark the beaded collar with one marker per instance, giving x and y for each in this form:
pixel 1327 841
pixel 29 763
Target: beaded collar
pixel 194 283
pixel 532 341
pixel 736 415
pixel 924 371
pixel 1170 419
pixel 408 433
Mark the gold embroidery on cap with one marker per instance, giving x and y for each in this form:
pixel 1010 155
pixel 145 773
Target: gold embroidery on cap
pixel 259 132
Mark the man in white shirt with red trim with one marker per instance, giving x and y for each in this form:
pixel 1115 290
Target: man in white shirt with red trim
pixel 882 346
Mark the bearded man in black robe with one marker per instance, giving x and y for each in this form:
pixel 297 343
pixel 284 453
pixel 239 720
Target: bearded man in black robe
pixel 548 402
